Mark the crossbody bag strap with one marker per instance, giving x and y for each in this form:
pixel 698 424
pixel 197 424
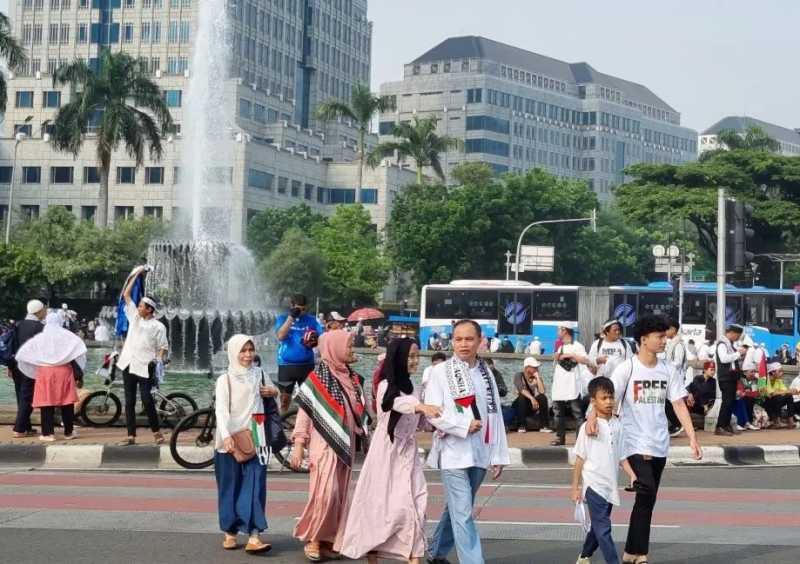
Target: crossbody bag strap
pixel 625 390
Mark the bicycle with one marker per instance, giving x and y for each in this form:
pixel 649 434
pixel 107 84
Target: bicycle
pixel 103 408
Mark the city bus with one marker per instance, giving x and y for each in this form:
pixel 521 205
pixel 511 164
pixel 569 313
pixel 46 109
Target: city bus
pixel 522 311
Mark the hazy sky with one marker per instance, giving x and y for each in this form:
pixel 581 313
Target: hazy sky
pixel 706 58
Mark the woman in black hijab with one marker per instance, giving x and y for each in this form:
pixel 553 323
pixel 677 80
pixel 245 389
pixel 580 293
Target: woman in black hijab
pixel 391 494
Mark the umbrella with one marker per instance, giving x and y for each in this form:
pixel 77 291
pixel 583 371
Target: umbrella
pixel 364 314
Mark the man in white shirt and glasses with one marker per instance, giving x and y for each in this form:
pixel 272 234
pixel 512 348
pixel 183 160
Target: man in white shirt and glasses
pixel 145 348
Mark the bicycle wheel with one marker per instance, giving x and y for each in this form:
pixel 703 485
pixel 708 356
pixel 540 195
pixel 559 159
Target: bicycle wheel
pixel 175 407
pixel 192 440
pixel 101 409
pixel 285 454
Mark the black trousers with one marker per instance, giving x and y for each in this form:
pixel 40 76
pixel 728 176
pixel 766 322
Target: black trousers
pixel 560 408
pixel 67 419
pixel 773 406
pixel 524 409
pixel 145 385
pixel 23 387
pixel 728 389
pixel 648 472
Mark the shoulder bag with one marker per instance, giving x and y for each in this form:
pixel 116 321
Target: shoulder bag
pixel 244 448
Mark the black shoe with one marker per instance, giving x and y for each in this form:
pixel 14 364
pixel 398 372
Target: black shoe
pixel 559 441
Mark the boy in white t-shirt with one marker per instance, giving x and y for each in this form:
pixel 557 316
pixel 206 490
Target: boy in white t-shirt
pixel 597 460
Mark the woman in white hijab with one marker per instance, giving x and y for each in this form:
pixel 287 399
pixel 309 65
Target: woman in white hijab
pixel 54 358
pixel 241 484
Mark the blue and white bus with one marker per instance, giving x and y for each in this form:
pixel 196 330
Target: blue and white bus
pixel 522 311
pixel 517 310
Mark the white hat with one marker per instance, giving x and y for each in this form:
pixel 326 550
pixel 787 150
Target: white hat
pixel 774 367
pixel 150 302
pixel 336 316
pixel 749 365
pixel 34 307
pixel 532 362
pixel 64 306
pixel 748 341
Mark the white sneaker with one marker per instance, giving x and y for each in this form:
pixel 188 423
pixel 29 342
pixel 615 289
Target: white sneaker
pixel 740 428
pixel 71 437
pixel 583 560
pixel 522 430
pixel 677 432
pixel 752 427
pixel 47 438
pixel 545 430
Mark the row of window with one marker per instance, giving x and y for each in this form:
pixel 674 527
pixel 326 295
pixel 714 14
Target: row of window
pixel 488 146
pixel 266 181
pixel 100 4
pixel 50 99
pixel 532 79
pixel 91 175
pixel 260 113
pixel 31 211
pixel 178 32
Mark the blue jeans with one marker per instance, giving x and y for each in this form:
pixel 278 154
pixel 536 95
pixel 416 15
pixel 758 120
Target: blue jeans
pixel 600 533
pixel 457 527
pixel 241 494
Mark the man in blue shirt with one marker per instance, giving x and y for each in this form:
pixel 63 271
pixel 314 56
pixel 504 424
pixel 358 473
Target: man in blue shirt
pixel 298 332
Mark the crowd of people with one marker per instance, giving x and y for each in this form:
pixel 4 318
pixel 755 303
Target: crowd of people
pixel 626 397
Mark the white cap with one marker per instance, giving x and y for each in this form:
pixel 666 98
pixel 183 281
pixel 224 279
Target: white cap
pixel 149 301
pixel 64 306
pixel 336 316
pixel 774 367
pixel 749 365
pixel 34 307
pixel 532 362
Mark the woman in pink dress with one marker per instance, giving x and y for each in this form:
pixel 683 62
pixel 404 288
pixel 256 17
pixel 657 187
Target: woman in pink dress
pixel 54 358
pixel 391 495
pixel 330 417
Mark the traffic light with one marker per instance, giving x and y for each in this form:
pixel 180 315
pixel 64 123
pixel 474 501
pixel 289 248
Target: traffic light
pixel 738 218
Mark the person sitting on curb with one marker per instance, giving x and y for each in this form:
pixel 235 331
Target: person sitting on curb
pixel 531 398
pixel 776 397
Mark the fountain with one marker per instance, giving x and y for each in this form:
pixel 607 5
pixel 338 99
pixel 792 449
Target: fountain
pixel 203 278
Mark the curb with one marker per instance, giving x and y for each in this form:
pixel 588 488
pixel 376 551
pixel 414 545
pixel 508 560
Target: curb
pixel 153 457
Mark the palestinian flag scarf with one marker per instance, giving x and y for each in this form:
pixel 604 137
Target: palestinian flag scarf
pixel 322 398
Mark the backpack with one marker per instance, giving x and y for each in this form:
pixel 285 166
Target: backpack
pixel 6 348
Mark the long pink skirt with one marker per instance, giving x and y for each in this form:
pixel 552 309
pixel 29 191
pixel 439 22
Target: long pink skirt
pixel 55 386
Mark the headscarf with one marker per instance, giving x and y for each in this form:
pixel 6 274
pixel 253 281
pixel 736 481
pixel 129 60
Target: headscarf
pixel 235 346
pixel 395 371
pixel 54 346
pixel 333 351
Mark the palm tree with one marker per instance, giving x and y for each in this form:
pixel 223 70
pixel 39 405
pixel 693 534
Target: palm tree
pixel 754 139
pixel 420 142
pixel 363 106
pixel 109 100
pixel 13 54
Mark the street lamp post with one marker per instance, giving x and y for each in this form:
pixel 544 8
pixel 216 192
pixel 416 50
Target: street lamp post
pixel 19 137
pixel 592 219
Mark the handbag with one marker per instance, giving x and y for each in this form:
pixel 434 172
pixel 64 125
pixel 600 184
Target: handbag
pixel 244 448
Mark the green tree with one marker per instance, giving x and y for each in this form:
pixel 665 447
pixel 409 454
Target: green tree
pixel 266 230
pixel 356 269
pixel 12 53
pixel 419 142
pixel 295 265
pixel 754 139
pixel 121 104
pixel 20 280
pixel 362 108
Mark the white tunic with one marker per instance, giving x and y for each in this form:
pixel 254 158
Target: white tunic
pixel 146 337
pixel 567 384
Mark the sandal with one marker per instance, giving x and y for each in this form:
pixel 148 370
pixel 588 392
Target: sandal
pixel 311 550
pixel 230 543
pixel 158 438
pixel 253 548
pixel 130 441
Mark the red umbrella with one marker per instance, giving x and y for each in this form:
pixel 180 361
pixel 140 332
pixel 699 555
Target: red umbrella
pixel 364 314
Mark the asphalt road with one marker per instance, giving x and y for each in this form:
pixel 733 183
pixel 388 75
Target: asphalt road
pixel 709 515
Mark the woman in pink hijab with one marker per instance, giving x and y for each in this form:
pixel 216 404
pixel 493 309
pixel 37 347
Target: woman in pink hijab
pixel 331 415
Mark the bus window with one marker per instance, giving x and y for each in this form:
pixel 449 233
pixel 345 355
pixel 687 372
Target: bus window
pixel 555 305
pixel 441 303
pixel 755 310
pixel 481 304
pixel 694 309
pixel 733 310
pixel 781 315
pixel 655 304
pixel 514 313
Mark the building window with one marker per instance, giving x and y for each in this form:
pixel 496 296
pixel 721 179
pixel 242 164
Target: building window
pixel 123 212
pixel 91 175
pixel 30 213
pixel 386 127
pixel 127 33
pixel 156 212
pixel 434 68
pixel 245 108
pixel 31 175
pixel 60 175
pixel 5 174
pixel 308 192
pixel 25 128
pixel 24 99
pixel 154 175
pixel 474 95
pixel 282 184
pixel 173 98
pixel 369 196
pixel 259 179
pixel 126 175
pixel 296 184
pixel 51 99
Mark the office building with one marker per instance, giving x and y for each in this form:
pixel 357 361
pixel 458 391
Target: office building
pixel 789 139
pixel 517 110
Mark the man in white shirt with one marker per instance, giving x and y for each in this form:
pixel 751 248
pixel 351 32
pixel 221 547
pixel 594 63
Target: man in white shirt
pixel 642 387
pixel 145 346
pixel 470 438
pixel 609 350
pixel 728 361
pixel 567 382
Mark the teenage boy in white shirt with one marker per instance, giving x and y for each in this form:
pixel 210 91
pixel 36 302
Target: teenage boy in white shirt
pixel 643 385
pixel 597 460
